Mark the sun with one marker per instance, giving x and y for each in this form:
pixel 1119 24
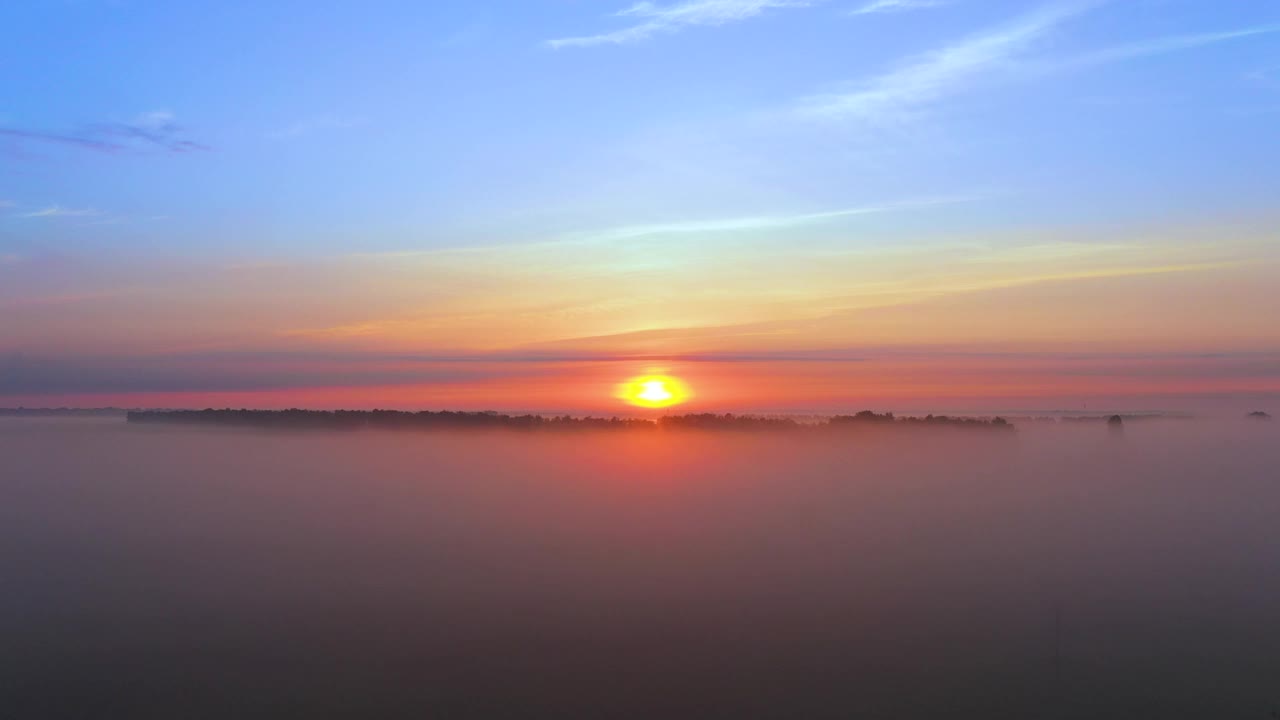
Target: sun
pixel 654 391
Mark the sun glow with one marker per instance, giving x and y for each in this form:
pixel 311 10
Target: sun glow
pixel 654 391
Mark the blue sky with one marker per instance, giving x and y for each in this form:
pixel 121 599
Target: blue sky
pixel 394 126
pixel 717 176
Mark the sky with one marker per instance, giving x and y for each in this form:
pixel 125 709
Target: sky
pixel 794 205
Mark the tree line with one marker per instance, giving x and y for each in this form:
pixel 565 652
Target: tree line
pixel 447 419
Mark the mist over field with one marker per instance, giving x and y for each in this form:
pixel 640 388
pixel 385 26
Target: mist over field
pixel 1061 571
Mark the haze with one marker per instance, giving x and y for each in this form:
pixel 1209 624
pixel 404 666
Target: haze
pixel 762 306
pixel 1061 571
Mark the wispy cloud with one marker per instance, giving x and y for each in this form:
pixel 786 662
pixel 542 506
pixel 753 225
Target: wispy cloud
pixel 81 141
pixel 116 220
pixel 892 6
pixel 950 70
pixel 706 227
pixel 765 222
pixel 1165 45
pixel 156 130
pixel 1268 78
pixel 57 211
pixel 658 19
pixel 899 94
pixel 88 216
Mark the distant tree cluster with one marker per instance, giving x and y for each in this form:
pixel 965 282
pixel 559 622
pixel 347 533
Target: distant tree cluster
pixel 1119 419
pixel 61 412
pixel 866 417
pixel 392 419
pixel 444 420
pixel 711 421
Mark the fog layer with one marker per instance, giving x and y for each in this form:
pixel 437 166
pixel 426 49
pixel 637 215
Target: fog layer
pixel 1066 572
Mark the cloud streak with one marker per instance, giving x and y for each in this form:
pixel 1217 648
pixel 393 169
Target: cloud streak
pixel 894 96
pixel 661 19
pixel 766 222
pixel 1165 45
pixel 148 131
pixel 83 142
pixel 605 236
pixel 57 211
pixel 892 6
pixel 900 94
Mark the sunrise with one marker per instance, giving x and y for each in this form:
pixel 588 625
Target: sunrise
pixel 654 391
pixel 658 360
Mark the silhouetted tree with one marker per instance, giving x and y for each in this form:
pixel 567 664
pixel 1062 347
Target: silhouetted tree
pixel 453 420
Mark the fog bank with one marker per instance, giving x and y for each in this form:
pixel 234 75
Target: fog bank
pixel 1062 571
